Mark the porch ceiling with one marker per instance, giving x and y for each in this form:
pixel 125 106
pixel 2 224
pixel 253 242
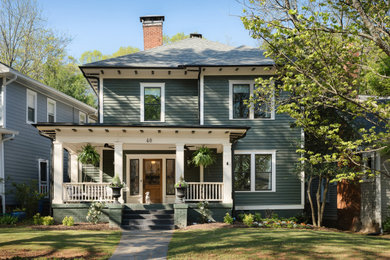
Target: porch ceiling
pixel 141 133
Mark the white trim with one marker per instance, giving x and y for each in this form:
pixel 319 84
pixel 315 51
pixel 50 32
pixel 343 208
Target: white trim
pixel 139 198
pixel 201 101
pixel 85 117
pixel 2 100
pixel 101 103
pixel 49 100
pixel 29 92
pixel 2 175
pixel 252 154
pixel 144 85
pixel 251 84
pixel 266 207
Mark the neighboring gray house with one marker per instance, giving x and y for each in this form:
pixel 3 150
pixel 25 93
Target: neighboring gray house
pixel 25 155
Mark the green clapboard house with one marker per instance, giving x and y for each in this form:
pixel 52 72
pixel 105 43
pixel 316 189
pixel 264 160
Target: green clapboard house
pixel 156 108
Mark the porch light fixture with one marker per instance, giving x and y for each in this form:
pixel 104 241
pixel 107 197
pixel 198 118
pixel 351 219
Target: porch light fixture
pixel 253 69
pixel 90 130
pixel 176 131
pixel 74 130
pixel 220 69
pixel 210 132
pixel 236 69
pixel 141 131
pixel 135 72
pixel 124 130
pixel 204 69
pixel 152 72
pixel 119 72
pixel 159 131
pixel 102 71
pixel 106 130
pixel 226 132
pixel 193 132
pixel 185 72
pixel 169 72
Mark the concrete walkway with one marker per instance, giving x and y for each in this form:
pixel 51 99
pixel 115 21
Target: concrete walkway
pixel 143 244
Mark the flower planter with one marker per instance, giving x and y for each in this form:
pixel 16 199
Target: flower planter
pixel 180 194
pixel 116 193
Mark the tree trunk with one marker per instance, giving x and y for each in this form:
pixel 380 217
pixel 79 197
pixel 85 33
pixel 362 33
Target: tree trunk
pixel 308 191
pixel 323 203
pixel 318 201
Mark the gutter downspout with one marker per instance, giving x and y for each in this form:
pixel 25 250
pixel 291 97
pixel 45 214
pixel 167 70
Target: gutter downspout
pixel 2 173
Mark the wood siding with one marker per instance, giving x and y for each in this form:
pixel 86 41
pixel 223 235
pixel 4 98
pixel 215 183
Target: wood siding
pixel 122 101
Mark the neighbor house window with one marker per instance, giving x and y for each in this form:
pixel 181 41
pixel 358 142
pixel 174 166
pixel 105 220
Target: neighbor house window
pixel 31 107
pixel 82 118
pixel 51 111
pixel 43 171
pixel 152 102
pixel 240 92
pixel 254 170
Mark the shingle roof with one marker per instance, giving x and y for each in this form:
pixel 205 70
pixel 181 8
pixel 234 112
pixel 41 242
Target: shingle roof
pixel 189 52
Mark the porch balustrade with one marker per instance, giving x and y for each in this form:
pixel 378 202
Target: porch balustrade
pixel 200 191
pixel 78 192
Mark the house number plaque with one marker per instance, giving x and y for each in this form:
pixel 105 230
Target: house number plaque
pixel 148 140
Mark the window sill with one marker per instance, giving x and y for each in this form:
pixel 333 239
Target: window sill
pixel 256 191
pixel 252 119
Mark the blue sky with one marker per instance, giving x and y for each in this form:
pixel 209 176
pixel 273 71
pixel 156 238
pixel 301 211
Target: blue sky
pixel 106 25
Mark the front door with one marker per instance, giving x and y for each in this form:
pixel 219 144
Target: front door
pixel 153 180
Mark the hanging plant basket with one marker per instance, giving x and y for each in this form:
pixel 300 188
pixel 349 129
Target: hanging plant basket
pixel 89 155
pixel 204 156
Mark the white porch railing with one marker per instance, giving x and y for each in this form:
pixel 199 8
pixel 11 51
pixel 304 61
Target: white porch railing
pixel 78 192
pixel 200 191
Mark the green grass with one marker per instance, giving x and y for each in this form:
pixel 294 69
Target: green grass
pixel 250 243
pixel 27 242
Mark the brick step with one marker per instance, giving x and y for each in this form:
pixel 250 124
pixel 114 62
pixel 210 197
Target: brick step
pixel 150 227
pixel 147 222
pixel 147 216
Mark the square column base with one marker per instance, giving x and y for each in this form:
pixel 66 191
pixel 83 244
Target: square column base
pixel 181 215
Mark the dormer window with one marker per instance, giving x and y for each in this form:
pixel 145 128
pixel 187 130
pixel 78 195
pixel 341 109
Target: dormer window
pixel 152 102
pixel 240 92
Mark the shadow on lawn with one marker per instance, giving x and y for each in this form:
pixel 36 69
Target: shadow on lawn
pixel 86 245
pixel 279 243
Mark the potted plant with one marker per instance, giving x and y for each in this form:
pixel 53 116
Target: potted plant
pixel 116 186
pixel 181 187
pixel 89 155
pixel 203 157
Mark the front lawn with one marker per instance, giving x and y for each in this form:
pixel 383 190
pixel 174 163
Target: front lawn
pixel 28 242
pixel 251 243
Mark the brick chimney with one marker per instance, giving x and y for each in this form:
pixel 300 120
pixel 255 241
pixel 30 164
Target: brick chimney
pixel 152 26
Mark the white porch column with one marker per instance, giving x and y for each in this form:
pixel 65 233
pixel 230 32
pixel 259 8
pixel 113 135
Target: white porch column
pixel 179 161
pixel 227 173
pixel 118 164
pixel 58 172
pixel 74 168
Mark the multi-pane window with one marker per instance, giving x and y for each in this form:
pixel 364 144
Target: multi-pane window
pixel 152 102
pixel 170 176
pixel 242 172
pixel 241 93
pixel 31 106
pixel 51 111
pixel 82 118
pixel 240 106
pixel 134 177
pixel 254 171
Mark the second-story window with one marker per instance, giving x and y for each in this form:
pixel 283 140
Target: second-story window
pixel 152 102
pixel 82 118
pixel 240 92
pixel 31 107
pixel 51 111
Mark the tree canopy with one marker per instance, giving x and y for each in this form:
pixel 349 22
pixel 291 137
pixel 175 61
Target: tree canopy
pixel 174 38
pixel 327 54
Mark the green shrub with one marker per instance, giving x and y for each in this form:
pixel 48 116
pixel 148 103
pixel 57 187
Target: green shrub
pixel 257 217
pixel 240 216
pixel 8 220
pixel 228 219
pixel 68 221
pixel 27 196
pixel 248 220
pixel 95 211
pixel 37 219
pixel 47 221
pixel 386 225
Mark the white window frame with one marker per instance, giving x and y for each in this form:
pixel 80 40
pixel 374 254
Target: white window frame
pixel 252 85
pixel 85 117
pixel 29 92
pixel 252 154
pixel 142 105
pixel 47 184
pixel 55 109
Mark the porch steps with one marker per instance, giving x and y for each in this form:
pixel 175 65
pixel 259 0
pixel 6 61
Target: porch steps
pixel 147 217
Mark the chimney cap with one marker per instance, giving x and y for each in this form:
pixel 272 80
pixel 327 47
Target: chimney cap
pixel 196 35
pixel 152 18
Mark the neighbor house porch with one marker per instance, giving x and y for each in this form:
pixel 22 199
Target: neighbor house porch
pixel 146 158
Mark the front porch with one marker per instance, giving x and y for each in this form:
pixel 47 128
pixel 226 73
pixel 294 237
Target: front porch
pixel 146 158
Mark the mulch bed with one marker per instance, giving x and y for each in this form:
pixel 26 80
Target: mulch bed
pixel 78 226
